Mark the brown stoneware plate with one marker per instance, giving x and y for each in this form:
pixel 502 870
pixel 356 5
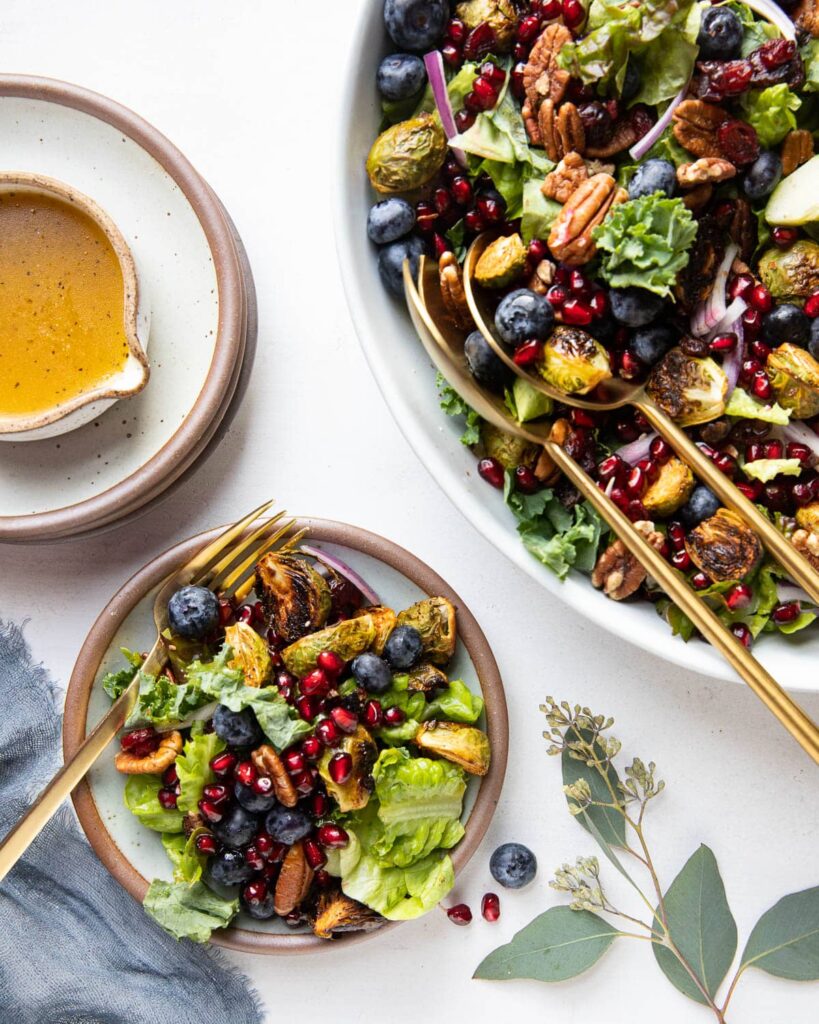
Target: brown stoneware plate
pixel 131 852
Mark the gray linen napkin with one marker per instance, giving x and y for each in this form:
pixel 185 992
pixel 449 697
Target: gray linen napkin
pixel 74 947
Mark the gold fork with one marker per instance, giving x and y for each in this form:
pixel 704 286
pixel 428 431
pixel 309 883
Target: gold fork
pixel 444 344
pixel 225 564
pixel 621 393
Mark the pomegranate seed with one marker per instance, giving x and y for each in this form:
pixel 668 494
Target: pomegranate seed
pixel 557 295
pixel 812 305
pixel 140 742
pixel 636 482
pixel 761 299
pixel 619 497
pixel 254 858
pixel 774 450
pixel 550 9
pixel 480 41
pixel 210 812
pixel 216 793
pixel 323 879
pixel 170 776
pixel 726 464
pixel 630 367
pixel 577 312
pixel 373 715
pixel 752 322
pixel 573 13
pixel 464 120
pixel 461 191
pixel 315 683
pixel 650 469
pixel 665 550
pixel 452 54
pixel 700 581
pixel 740 287
pixel 490 209
pixel 492 73
pixel 723 343
pixel 167 797
pixel 340 768
pixel 739 597
pixel 492 472
pixel 610 467
pixel 789 612
pixel 440 245
pixel 312 748
pixel 328 732
pixel 225 612
pixel 760 351
pixel 293 919
pixel 346 720
pixel 798 451
pixel 520 52
pixel 314 854
pixel 783 238
pixel 526 481
pixel 254 892
pixel 578 282
pixel 459 914
pixel 762 386
pixel 264 843
pixel 776 497
pixel 319 804
pixel 599 304
pixel 425 217
pixel 661 450
pixel 636 511
pixel 485 94
pixel 528 28
pixel 490 907
pixel 304 782
pixel 681 560
pixel 307 707
pixel 754 451
pixel 441 199
pixel 538 250
pixel 394 716
pixel 518 88
pixel 245 614
pixel 528 353
pixel 294 761
pixel 751 490
pixel 333 836
pixel 802 493
pixel 742 633
pixel 245 772
pixel 582 418
pixel 456 30
pixel 707 450
pixel 205 843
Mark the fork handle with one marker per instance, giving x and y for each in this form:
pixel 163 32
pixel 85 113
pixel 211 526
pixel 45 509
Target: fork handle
pixel 798 723
pixel 797 567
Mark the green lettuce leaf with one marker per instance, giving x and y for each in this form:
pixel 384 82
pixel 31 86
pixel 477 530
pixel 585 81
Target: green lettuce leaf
pixel 188 911
pixel 539 212
pixel 193 766
pixel 666 63
pixel 810 55
pixel 186 859
pixel 743 405
pixel 142 799
pixel 755 31
pixel 525 402
pixel 454 405
pixel 644 243
pixel 766 469
pixel 162 703
pixel 457 703
pixel 771 112
pixel 116 683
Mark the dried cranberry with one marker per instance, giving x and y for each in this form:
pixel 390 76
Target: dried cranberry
pixel 719 79
pixel 598 125
pixel 642 120
pixel 738 141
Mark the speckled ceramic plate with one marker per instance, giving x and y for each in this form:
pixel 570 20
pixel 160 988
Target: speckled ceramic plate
pixel 132 853
pixel 190 271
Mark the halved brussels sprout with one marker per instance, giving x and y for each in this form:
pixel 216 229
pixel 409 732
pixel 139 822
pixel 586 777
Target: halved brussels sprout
pixel 293 594
pixel 249 654
pixel 384 622
pixel 792 274
pixel 510 451
pixel 464 745
pixel 336 913
pixel 353 794
pixel 808 517
pixel 434 618
pixel 794 377
pixel 501 262
pixel 724 547
pixel 500 14
pixel 425 678
pixel 671 490
pixel 574 361
pixel 347 638
pixel 688 390
pixel 408 155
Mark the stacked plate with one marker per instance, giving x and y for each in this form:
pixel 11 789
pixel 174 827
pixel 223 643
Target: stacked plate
pixel 198 288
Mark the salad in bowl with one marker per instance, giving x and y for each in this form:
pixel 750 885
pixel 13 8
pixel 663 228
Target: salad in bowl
pixel 647 172
pixel 306 755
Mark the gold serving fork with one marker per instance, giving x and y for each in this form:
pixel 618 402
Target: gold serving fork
pixel 444 343
pixel 620 393
pixel 227 565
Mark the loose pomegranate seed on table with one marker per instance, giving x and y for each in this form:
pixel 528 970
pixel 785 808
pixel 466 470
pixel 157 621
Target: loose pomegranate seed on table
pixel 490 907
pixel 460 914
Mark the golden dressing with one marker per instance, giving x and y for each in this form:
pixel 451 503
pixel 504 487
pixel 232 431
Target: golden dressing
pixel 61 304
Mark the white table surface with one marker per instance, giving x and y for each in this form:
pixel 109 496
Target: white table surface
pixel 246 90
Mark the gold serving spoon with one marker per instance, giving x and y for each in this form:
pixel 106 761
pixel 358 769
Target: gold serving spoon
pixel 620 393
pixel 444 343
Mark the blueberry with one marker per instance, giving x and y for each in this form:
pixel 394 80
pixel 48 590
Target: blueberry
pixel 513 865
pixel 651 343
pixel 391 262
pixel 228 867
pixel 404 647
pixel 523 315
pixel 786 323
pixel 237 828
pixel 371 672
pixel 763 175
pixel 263 909
pixel 237 728
pixel 634 307
pixel 400 76
pixel 654 175
pixel 416 25
pixel 632 81
pixel 720 34
pixel 484 364
pixel 813 344
pixel 193 612
pixel 256 803
pixel 287 824
pixel 390 220
pixel 702 504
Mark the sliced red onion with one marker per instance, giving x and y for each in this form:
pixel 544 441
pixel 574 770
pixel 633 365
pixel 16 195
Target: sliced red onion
pixel 774 13
pixel 343 570
pixel 732 314
pixel 641 147
pixel 636 450
pixel 434 63
pixel 711 311
pixel 803 435
pixel 732 363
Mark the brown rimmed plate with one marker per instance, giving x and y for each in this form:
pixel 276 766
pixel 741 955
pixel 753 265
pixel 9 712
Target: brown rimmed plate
pixel 132 853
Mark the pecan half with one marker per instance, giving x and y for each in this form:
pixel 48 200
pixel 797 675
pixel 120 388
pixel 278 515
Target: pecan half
pixel 561 129
pixel 698 197
pixel 451 279
pixel 170 747
pixel 797 149
pixel 565 178
pixel 618 572
pixel 545 469
pixel 294 881
pixel 625 135
pixel 695 127
pixel 547 129
pixel 706 170
pixel 807 543
pixel 542 77
pixel 543 277
pixel 570 238
pixel 806 16
pixel 268 762
pixel 530 123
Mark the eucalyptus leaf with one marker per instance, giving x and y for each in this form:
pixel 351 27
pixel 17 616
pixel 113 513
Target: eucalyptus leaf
pixel 701 926
pixel 785 940
pixel 610 823
pixel 559 944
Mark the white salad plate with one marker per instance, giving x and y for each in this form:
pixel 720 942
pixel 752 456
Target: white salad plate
pixel 407 381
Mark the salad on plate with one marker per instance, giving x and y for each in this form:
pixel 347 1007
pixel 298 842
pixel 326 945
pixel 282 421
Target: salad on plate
pixel 304 755
pixel 647 171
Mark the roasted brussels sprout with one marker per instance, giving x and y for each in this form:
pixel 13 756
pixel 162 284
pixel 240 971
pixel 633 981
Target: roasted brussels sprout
pixel 426 678
pixel 384 622
pixel 574 361
pixel 792 273
pixel 336 913
pixel 249 654
pixel 724 547
pixel 671 490
pixel 293 594
pixel 689 390
pixel 353 794
pixel 464 745
pixel 808 517
pixel 408 155
pixel 794 377
pixel 510 451
pixel 501 262
pixel 500 14
pixel 347 638
pixel 434 618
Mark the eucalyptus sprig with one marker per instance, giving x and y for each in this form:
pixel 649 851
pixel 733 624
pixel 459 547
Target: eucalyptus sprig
pixel 689 925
